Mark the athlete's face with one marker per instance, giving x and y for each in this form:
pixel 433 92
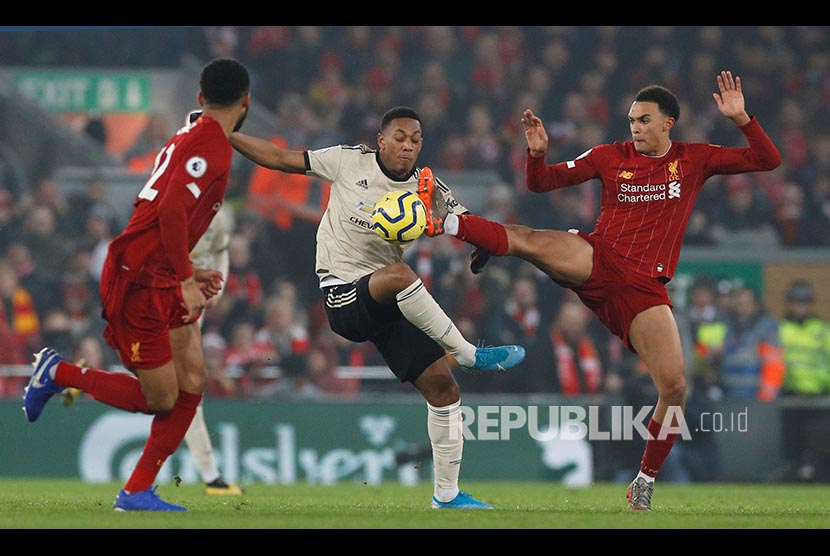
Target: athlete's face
pixel 400 145
pixel 649 128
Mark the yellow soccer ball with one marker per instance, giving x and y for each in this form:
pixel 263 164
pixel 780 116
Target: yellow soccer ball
pixel 399 217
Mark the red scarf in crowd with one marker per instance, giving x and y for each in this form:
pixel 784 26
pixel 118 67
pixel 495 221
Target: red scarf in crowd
pixel 568 367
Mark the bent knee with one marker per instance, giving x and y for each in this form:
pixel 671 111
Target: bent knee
pixel 448 394
pixel 161 405
pixel 438 385
pixel 398 275
pixel 673 391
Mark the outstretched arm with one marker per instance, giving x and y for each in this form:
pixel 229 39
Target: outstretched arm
pixel 267 154
pixel 730 101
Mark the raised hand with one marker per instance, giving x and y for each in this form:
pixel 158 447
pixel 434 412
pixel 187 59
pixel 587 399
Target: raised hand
pixel 730 101
pixel 537 137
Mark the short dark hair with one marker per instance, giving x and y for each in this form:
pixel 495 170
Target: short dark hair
pixel 398 112
pixel 224 81
pixel 801 291
pixel 664 98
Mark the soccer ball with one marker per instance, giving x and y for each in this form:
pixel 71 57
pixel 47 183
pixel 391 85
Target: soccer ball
pixel 399 217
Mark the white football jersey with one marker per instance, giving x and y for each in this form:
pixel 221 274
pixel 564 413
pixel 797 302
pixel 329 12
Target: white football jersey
pixel 214 242
pixel 347 247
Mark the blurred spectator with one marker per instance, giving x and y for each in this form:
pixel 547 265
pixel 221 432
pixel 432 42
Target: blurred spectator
pixel 751 363
pixel 300 126
pixel 518 321
pixel 324 358
pixel 702 306
pixel 287 337
pixel 44 291
pixel 249 361
pixel 699 455
pixel 47 192
pixel 500 205
pixel 95 129
pixel 47 246
pixel 482 143
pixel 292 206
pixel 91 350
pixel 744 217
pixel 79 295
pixel 8 220
pixel 805 340
pixel 56 330
pixel 95 193
pixel 563 209
pixel 487 76
pixel 100 232
pixel 574 364
pixel 243 292
pixel 265 50
pixel 328 93
pixel 219 383
pixel 141 157
pixel 18 314
pixel 789 217
pixel 13 175
pixel 520 318
pixel 298 381
pixel 816 213
pixel 222 41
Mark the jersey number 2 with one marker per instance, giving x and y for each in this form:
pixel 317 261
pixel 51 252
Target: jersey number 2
pixel 159 166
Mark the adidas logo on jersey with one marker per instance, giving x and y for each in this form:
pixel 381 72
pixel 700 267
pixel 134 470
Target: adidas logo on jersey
pixel 364 183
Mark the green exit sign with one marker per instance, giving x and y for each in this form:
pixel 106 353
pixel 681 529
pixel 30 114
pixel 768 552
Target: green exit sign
pixel 81 91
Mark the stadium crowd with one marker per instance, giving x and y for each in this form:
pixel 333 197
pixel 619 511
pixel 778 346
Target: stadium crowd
pixel 267 335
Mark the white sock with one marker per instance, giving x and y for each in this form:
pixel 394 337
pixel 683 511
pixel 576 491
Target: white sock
pixel 421 309
pixel 201 449
pixel 445 434
pixel 644 476
pixel 451 224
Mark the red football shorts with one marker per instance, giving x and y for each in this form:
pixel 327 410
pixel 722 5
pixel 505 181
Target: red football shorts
pixel 615 292
pixel 139 319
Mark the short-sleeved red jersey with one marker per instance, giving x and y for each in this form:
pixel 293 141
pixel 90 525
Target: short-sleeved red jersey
pixel 174 208
pixel 647 200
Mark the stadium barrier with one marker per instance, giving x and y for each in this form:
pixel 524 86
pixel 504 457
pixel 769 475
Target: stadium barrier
pixel 278 441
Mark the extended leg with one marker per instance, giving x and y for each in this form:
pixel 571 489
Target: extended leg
pixel 655 336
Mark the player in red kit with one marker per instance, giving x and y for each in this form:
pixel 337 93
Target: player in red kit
pixel 151 294
pixel 620 269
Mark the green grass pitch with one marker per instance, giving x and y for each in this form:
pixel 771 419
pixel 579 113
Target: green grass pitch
pixel 67 504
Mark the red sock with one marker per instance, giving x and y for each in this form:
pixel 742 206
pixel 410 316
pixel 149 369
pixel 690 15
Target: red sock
pixel 166 433
pixel 119 390
pixel 482 233
pixel 656 450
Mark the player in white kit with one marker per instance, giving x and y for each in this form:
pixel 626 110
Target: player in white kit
pixel 372 295
pixel 211 251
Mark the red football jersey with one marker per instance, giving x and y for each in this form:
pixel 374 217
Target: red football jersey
pixel 174 208
pixel 647 200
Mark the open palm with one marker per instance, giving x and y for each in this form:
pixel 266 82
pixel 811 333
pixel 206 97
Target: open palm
pixel 730 101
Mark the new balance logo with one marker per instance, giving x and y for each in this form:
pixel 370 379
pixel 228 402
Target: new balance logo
pixel 674 190
pixel 362 183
